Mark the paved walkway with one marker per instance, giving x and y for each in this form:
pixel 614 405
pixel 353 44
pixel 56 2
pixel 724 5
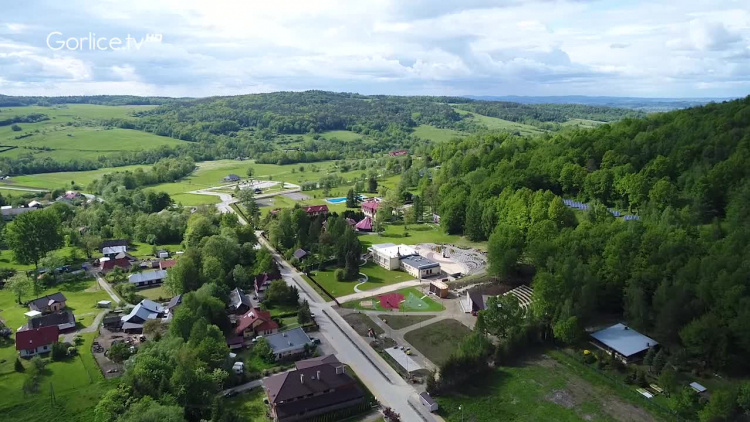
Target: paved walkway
pixel 108 288
pixel 380 290
pixel 68 338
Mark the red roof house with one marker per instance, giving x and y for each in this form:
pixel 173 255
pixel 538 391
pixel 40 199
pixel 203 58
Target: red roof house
pixel 314 210
pixel 32 342
pixel 262 281
pixel 365 225
pixel 256 322
pixel 370 208
pixel 167 263
pixel 110 264
pixel 398 153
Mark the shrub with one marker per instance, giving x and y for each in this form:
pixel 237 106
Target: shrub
pixel 339 274
pixel 72 351
pixel 19 366
pixel 59 351
pixel 15 128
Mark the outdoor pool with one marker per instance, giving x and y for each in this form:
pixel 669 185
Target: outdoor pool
pixel 336 200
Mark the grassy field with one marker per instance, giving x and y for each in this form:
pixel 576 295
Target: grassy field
pixel 63 179
pixel 538 389
pixel 417 233
pixel 154 293
pixel 377 277
pixel 398 322
pixel 436 134
pixel 63 137
pixel 249 405
pixel 414 301
pixel 438 340
pixel 493 123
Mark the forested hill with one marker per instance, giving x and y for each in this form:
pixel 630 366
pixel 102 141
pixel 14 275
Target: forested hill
pixel 680 273
pixel 110 100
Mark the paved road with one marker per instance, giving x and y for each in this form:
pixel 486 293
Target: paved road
pixel 108 288
pixel 23 189
pixel 90 329
pixel 385 383
pixel 227 200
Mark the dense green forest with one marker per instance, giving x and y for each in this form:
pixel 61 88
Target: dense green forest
pixel 680 273
pixel 292 127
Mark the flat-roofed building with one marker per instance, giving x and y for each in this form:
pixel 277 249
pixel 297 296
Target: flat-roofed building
pixel 625 343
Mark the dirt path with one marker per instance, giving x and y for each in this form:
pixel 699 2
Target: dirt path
pixel 579 390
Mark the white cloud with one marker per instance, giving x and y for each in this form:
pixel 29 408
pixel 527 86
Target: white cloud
pixel 485 47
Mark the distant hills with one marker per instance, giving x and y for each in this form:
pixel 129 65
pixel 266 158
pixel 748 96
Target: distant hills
pixel 635 103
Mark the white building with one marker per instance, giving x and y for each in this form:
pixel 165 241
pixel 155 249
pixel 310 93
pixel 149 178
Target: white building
pixel 419 266
pixel 402 257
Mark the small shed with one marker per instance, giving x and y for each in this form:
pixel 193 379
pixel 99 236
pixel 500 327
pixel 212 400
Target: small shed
pixel 104 303
pixel 238 368
pixel 32 314
pixel 439 288
pixel 163 254
pixel 428 402
pixel 697 387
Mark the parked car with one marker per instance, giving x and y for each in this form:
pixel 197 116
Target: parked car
pixel 315 340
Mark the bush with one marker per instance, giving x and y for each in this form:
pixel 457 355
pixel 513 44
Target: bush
pixel 59 351
pixel 339 274
pixel 19 366
pixel 15 128
pixel 72 351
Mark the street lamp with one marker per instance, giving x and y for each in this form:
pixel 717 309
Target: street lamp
pixel 462 412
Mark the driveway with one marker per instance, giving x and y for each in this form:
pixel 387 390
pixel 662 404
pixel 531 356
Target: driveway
pixel 108 288
pixel 384 382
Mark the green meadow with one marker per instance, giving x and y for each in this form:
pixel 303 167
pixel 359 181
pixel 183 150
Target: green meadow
pixel 493 123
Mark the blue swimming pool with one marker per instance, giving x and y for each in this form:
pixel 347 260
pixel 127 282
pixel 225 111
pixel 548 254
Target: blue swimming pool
pixel 336 200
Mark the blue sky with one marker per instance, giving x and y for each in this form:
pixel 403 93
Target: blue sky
pixel 685 48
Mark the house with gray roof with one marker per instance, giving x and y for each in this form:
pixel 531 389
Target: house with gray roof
pixel 149 278
pixel 419 266
pixel 142 312
pixel 64 320
pixel 239 302
pixel 50 303
pixel 288 343
pixel 625 343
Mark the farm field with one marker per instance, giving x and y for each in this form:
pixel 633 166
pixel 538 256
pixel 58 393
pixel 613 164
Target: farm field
pixel 493 123
pixel 377 277
pixel 437 134
pixel 62 179
pixel 414 301
pixel 538 388
pixel 438 340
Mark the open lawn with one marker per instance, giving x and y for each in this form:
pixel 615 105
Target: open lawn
pixel 538 389
pixel 63 179
pixel 249 405
pixel 417 233
pixel 493 123
pixel 438 340
pixel 77 383
pixel 414 301
pixel 154 293
pixel 377 277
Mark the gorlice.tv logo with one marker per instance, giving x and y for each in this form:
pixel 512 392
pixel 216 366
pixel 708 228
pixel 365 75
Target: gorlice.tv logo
pixel 57 41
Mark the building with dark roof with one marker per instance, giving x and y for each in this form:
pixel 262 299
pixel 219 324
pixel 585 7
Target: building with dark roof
pixel 370 208
pixel 419 266
pixel 114 242
pixel 33 342
pixel 64 320
pixel 50 303
pixel 626 343
pixel 174 303
pixel 364 225
pixel 167 263
pixel 9 213
pixel 474 302
pixel 300 254
pixel 144 311
pixel 107 265
pixel 316 387
pixel 262 281
pixel 239 302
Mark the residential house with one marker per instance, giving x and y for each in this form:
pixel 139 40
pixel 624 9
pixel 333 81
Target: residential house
pixel 364 225
pixel 35 204
pixel 148 278
pixel 370 208
pixel 144 311
pixel 231 178
pixel 113 251
pixel 289 343
pixel 33 342
pixel 239 302
pixel 398 153
pixel 173 304
pixel 262 282
pixel 64 320
pixel 109 264
pixel 300 254
pixel 256 322
pixel 50 303
pixel 623 342
pixel 110 243
pixel 315 210
pixel 9 213
pixel 69 196
pixel 317 386
pixel 167 263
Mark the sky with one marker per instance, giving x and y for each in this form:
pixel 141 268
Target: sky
pixel 197 48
